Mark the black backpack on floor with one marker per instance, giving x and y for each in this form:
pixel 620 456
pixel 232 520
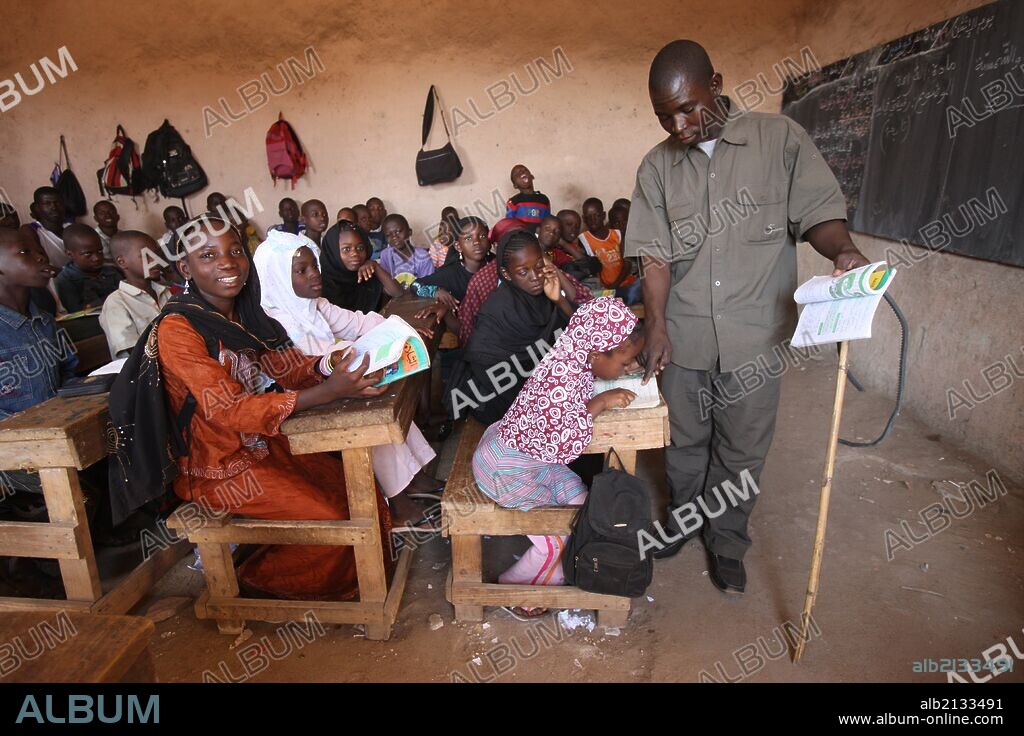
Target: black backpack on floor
pixel 168 164
pixel 603 553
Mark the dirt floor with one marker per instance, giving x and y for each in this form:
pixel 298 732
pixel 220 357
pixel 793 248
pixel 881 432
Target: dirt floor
pixel 954 594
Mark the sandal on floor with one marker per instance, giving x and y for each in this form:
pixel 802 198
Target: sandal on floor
pixel 519 613
pixel 435 496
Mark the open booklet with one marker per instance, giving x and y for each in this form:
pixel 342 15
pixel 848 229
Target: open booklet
pixel 395 346
pixel 646 396
pixel 841 307
pixel 90 312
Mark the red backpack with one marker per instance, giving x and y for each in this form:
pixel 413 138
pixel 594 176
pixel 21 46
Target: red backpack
pixel 285 156
pixel 122 171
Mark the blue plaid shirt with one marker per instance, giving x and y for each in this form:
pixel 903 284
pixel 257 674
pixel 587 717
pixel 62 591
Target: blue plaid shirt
pixel 36 357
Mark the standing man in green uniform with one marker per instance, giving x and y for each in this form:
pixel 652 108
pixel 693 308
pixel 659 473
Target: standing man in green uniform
pixel 715 216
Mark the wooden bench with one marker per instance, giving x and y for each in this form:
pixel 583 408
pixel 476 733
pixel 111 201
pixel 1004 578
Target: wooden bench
pixel 468 514
pixel 57 438
pixel 214 533
pixel 71 647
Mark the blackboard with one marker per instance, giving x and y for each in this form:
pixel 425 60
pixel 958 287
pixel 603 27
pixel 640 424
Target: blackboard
pixel 926 133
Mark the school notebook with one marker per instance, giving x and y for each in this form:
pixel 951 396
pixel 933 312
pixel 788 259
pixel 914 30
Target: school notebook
pixel 394 346
pixel 646 396
pixel 840 308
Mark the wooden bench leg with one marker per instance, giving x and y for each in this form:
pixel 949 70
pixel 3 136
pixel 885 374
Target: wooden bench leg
pixel 613 619
pixel 219 571
pixel 64 503
pixel 362 504
pixel 467 567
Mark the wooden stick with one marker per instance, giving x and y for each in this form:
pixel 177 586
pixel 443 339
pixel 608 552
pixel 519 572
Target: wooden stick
pixel 826 490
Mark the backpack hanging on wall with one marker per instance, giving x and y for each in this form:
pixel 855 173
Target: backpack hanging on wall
pixel 168 164
pixel 603 553
pixel 66 184
pixel 122 171
pixel 440 164
pixel 285 156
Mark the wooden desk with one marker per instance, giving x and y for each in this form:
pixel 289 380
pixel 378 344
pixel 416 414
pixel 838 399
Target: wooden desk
pixel 468 515
pixel 353 427
pixel 77 648
pixel 56 438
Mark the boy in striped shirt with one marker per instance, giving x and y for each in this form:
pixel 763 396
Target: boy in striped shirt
pixel 529 205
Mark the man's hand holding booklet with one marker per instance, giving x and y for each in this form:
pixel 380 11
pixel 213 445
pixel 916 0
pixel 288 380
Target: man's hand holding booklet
pixel 838 308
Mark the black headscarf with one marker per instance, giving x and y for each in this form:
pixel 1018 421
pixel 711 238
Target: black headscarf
pixel 509 324
pixel 143 436
pixel 341 286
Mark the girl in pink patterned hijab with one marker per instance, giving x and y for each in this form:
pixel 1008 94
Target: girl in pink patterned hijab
pixel 521 459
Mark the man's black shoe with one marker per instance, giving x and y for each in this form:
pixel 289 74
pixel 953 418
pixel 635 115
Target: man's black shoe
pixel 671 548
pixel 727 574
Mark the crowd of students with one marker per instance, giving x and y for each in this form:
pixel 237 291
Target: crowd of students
pixel 238 331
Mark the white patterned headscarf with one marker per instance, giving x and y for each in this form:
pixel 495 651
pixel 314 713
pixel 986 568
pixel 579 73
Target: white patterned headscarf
pixel 549 419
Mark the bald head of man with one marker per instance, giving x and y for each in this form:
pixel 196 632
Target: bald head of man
pixel 685 92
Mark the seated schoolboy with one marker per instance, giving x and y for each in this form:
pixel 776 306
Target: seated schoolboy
pixel 139 297
pixel 24 327
pixel 521 461
pixel 290 292
pixel 582 265
pixel 314 219
pixel 618 218
pixel 106 216
pixel 288 210
pixel 217 345
pixel 84 282
pixel 362 217
pixel 217 203
pixel 519 316
pixel 376 211
pixel 347 213
pixel 377 239
pixel 549 235
pixel 606 244
pixel 174 217
pixel 48 223
pixel 527 205
pixel 401 258
pixel 485 281
pixel 28 335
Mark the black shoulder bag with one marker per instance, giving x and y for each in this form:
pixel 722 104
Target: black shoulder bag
pixel 441 164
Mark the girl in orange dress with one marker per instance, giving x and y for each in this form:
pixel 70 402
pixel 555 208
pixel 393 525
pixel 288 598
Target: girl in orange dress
pixel 217 352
